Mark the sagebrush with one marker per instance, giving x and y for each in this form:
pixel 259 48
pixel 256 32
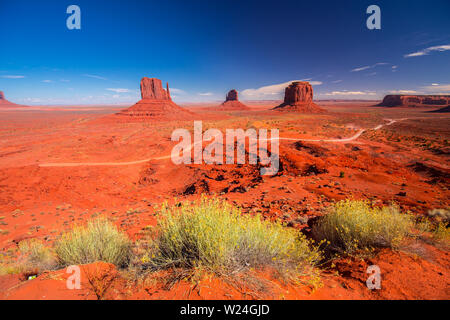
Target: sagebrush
pixel 212 234
pixel 99 240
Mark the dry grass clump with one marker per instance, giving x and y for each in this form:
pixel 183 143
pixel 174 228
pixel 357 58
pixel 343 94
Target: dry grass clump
pixel 355 226
pixel 441 215
pixel 99 240
pixel 213 235
pixel 35 256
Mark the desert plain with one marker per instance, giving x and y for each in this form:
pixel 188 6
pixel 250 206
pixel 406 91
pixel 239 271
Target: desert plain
pixel 63 165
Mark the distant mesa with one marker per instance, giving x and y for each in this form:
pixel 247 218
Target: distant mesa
pixel 415 101
pixel 232 102
pixel 298 97
pixel 5 103
pixel 156 104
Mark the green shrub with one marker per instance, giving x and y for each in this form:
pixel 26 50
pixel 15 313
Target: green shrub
pixel 100 240
pixel 351 226
pixel 213 235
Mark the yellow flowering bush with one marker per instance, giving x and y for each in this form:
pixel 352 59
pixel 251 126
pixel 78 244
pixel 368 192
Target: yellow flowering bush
pixel 99 240
pixel 215 235
pixel 351 226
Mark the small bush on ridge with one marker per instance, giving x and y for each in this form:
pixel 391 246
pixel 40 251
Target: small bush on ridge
pixel 212 234
pixel 100 240
pixel 352 226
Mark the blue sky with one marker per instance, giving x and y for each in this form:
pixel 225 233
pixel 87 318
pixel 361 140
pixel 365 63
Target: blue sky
pixel 204 48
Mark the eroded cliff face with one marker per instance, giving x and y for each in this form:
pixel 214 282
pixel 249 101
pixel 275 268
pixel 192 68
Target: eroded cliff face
pixel 298 96
pixel 156 104
pixel 415 101
pixel 151 88
pixel 298 92
pixel 232 102
pixel 232 95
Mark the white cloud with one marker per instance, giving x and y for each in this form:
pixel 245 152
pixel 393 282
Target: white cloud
pixel 336 81
pixel 177 91
pixel 206 94
pixel 369 67
pixel 274 91
pixel 13 77
pixel 47 81
pixel 118 90
pixel 64 80
pixel 94 76
pixel 404 92
pixel 350 93
pixel 438 88
pixel 428 50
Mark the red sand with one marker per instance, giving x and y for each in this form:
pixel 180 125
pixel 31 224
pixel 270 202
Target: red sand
pixel 406 161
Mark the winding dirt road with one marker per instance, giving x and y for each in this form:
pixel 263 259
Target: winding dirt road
pixel 95 164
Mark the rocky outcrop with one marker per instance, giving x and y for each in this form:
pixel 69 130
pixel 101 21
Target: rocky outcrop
pixel 5 103
pixel 298 96
pixel 232 95
pixel 232 102
pixel 156 104
pixel 151 88
pixel 415 101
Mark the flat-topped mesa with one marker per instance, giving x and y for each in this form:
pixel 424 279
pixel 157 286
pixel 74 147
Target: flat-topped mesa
pixel 152 89
pixel 298 92
pixel 393 100
pixel 2 96
pixel 232 102
pixel 156 104
pixel 298 96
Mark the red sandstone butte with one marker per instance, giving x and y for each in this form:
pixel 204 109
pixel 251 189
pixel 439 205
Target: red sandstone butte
pixel 232 102
pixel 6 103
pixel 298 97
pixel 415 101
pixel 156 104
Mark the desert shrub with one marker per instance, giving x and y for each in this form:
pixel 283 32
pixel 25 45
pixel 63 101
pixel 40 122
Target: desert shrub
pixel 99 240
pixel 440 215
pixel 352 226
pixel 211 234
pixel 34 256
pixel 442 233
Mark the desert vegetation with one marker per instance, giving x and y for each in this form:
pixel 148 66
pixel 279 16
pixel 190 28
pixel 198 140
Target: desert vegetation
pixel 214 235
pixel 352 226
pixel 100 240
pixel 192 239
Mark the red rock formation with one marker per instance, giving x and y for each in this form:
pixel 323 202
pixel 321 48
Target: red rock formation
pixel 156 104
pixel 232 102
pixel 5 103
pixel 415 101
pixel 232 95
pixel 151 88
pixel 298 96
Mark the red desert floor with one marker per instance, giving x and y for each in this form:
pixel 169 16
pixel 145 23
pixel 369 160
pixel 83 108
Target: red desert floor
pixel 63 165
